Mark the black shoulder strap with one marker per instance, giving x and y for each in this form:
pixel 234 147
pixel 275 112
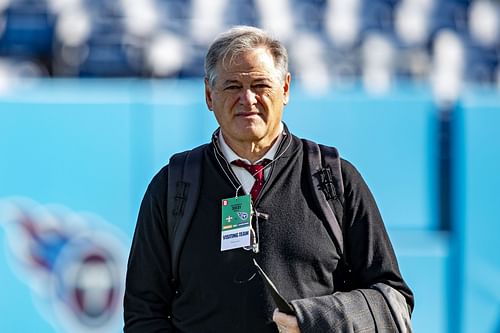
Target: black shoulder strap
pixel 330 158
pixel 328 193
pixel 326 183
pixel 184 180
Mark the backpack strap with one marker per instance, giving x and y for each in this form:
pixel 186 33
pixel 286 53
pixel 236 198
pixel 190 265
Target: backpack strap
pixel 334 182
pixel 184 182
pixel 328 192
pixel 324 182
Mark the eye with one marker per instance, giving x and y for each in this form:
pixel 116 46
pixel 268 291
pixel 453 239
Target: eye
pixel 261 86
pixel 231 87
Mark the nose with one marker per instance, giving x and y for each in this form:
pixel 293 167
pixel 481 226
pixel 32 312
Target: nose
pixel 247 97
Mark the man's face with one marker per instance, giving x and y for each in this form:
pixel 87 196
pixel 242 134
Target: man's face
pixel 248 98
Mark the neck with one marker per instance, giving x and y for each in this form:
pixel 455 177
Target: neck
pixel 251 150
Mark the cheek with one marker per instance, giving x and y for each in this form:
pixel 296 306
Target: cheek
pixel 271 98
pixel 267 95
pixel 229 102
pixel 221 101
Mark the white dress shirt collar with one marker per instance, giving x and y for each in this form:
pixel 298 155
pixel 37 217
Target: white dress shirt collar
pixel 231 156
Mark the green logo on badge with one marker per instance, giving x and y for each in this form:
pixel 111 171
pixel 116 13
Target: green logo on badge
pixel 242 215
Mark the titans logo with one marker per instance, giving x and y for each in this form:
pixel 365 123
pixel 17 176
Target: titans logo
pixel 73 262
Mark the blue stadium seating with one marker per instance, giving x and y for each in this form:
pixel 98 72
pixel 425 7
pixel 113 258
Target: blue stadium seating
pixel 29 33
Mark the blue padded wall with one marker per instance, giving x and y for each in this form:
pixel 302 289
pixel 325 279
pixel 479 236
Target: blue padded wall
pixel 477 157
pixel 94 145
pixel 70 142
pixel 67 157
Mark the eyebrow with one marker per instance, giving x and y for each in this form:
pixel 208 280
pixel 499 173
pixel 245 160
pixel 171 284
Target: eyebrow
pixel 258 80
pixel 262 80
pixel 229 82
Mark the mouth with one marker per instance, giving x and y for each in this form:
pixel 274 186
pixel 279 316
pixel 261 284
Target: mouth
pixel 247 114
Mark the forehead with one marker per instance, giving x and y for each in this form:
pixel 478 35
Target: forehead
pixel 257 62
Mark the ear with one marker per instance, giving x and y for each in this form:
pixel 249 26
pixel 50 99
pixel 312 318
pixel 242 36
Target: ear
pixel 286 88
pixel 208 95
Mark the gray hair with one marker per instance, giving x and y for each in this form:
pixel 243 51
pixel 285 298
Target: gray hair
pixel 242 39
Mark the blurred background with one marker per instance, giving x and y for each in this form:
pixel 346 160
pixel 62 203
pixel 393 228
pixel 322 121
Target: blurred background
pixel 95 95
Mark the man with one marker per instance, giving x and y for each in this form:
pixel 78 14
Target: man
pixel 217 289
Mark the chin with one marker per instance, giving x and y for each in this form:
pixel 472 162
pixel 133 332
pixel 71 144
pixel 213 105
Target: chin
pixel 249 134
pixel 251 129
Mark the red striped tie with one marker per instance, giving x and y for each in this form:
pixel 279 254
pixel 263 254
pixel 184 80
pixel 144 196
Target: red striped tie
pixel 257 171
